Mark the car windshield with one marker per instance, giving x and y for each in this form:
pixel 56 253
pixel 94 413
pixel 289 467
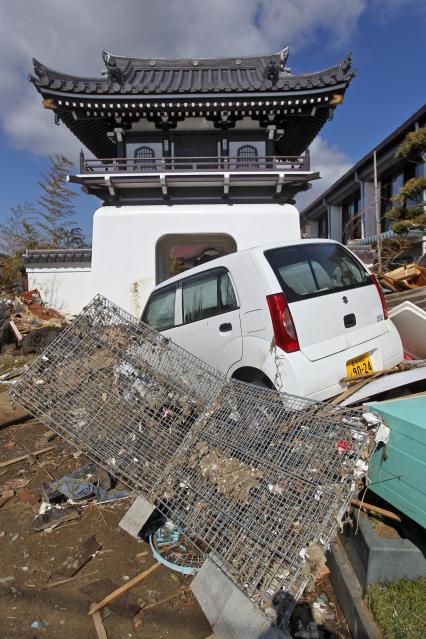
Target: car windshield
pixel 310 270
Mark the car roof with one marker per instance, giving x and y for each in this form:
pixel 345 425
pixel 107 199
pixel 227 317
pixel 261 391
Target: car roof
pixel 219 261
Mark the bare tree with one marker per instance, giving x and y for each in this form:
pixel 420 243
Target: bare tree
pixel 57 206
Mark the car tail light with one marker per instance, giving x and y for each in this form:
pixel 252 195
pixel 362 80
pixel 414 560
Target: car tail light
pixel 282 322
pixel 381 295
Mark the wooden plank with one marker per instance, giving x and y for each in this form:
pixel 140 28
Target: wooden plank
pixel 117 593
pixel 35 453
pixel 375 509
pixel 15 329
pixel 99 626
pixel 350 391
pixel 357 378
pixel 126 606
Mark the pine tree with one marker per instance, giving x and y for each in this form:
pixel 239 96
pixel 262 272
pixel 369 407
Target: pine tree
pixel 57 206
pixel 409 210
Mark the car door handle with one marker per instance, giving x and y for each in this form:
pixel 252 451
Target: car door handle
pixel 225 327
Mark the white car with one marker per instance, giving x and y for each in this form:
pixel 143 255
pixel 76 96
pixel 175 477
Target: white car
pixel 299 316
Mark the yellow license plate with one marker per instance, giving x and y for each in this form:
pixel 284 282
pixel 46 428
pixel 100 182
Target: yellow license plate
pixel 359 366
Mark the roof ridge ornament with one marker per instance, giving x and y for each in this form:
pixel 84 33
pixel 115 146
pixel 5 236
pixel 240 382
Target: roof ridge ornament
pixel 284 53
pixel 39 70
pixel 114 72
pixel 272 72
pixel 346 64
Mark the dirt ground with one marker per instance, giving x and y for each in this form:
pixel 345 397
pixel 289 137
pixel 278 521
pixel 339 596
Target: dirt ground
pixel 29 561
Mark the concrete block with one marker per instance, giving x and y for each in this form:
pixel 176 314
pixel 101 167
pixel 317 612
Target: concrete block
pixel 137 515
pixel 349 593
pixel 376 559
pixel 230 613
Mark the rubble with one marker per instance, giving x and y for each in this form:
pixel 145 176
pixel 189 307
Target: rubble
pixel 29 323
pixel 404 278
pixel 204 450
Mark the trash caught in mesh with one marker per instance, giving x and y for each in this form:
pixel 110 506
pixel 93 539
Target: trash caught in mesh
pixel 119 391
pixel 250 475
pixel 171 547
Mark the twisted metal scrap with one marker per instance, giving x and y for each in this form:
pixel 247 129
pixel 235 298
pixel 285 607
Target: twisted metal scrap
pixel 250 474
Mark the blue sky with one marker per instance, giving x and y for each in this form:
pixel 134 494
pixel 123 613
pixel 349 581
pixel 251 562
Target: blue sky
pixel 386 37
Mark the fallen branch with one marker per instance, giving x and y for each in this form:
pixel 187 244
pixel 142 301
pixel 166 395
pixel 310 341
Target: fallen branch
pixel 9 462
pixel 375 509
pixel 117 593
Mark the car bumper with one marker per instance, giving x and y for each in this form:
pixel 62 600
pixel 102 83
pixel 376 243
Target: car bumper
pixel 320 379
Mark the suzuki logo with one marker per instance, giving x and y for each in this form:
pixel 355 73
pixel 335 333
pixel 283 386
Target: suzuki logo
pixel 345 299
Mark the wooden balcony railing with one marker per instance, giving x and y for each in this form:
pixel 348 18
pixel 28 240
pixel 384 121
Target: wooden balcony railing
pixel 220 163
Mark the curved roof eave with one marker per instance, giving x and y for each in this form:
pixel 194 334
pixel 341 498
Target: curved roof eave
pixel 168 79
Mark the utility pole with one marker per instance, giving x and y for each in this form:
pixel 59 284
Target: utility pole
pixel 377 214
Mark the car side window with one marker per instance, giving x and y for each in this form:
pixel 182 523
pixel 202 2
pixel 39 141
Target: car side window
pixel 206 295
pixel 200 298
pixel 160 310
pixel 228 301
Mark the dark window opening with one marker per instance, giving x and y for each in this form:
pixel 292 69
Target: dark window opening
pixel 323 226
pixel 351 219
pixel 247 157
pixel 144 159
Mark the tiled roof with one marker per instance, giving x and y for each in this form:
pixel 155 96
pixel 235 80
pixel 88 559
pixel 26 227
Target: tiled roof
pixel 152 76
pixel 58 256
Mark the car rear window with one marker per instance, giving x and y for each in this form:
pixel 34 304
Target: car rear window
pixel 311 270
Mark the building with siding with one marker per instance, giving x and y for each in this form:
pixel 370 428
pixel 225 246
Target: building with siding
pixel 346 210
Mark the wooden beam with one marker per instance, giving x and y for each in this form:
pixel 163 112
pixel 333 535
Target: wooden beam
pixel 117 593
pixel 22 457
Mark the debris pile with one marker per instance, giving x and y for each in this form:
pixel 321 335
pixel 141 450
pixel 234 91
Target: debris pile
pixel 29 323
pixel 250 475
pixel 404 278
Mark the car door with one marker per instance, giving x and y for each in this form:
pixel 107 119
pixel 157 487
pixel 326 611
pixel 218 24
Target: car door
pixel 210 319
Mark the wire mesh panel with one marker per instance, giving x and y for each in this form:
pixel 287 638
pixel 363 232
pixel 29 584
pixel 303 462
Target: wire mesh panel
pixel 260 476
pixel 251 475
pixel 119 391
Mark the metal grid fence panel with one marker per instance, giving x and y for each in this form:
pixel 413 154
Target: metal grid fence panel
pixel 119 391
pixel 260 476
pixel 250 474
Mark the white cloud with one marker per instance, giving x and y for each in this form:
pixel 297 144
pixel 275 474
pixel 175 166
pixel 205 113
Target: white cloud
pixel 331 163
pixel 69 36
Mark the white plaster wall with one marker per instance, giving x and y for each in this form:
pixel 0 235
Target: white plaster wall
pixel 125 238
pixel 66 289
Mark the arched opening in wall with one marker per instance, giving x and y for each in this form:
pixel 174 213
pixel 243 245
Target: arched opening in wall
pixel 247 157
pixel 144 158
pixel 176 253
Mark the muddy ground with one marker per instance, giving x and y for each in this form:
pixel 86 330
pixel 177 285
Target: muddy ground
pixel 29 561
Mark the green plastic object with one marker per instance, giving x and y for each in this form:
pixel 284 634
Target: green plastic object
pixel 397 472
